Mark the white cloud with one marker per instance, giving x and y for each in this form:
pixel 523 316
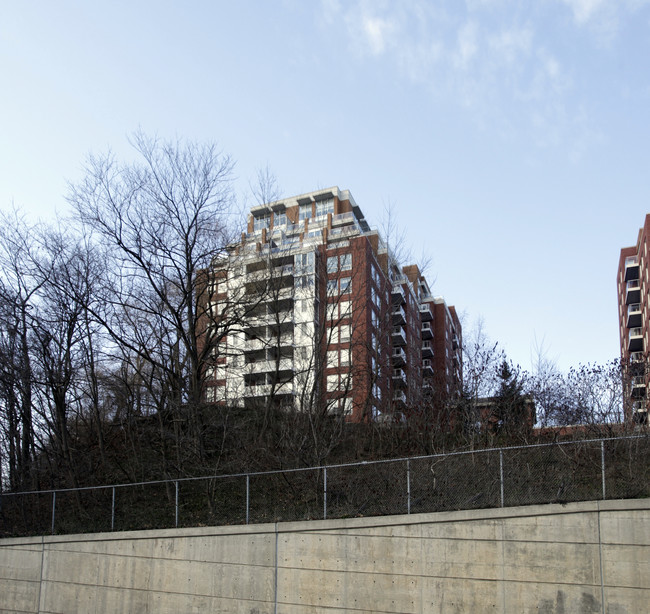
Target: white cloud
pixel 584 10
pixel 603 18
pixel 501 62
pixel 467 45
pixel 511 44
pixel 377 32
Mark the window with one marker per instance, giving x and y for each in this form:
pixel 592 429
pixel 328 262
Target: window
pixel 332 358
pixel 262 221
pixel 331 287
pixel 346 262
pixel 346 284
pixel 323 207
pixel 375 275
pixel 376 299
pixel 374 318
pixel 345 357
pixel 304 213
pixel 332 264
pixel 346 382
pixel 304 263
pixel 332 382
pixel 344 331
pixel 376 392
pixel 280 219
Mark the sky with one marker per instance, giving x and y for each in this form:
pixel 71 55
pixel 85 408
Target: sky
pixel 509 139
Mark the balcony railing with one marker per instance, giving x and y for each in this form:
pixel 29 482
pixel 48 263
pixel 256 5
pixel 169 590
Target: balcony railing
pixel 427 367
pixel 399 355
pixel 399 377
pixel 425 312
pixel 631 268
pixel 427 330
pixel 399 314
pixel 634 318
pixel 635 340
pixel 399 336
pixel 398 294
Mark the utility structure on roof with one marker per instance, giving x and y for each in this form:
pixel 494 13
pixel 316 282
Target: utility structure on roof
pixel 332 322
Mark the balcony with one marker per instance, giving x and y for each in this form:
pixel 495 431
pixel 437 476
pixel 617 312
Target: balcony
pixel 427 330
pixel 454 341
pixel 399 378
pixel 264 390
pixel 427 368
pixel 636 357
pixel 285 270
pixel 255 344
pixel 397 294
pixel 635 340
pixel 634 315
pixel 398 336
pixel 271 366
pixel 633 292
pixel 399 396
pixel 638 387
pixel 398 356
pixel 631 268
pixel 343 219
pixel 426 315
pixel 427 349
pixel 399 315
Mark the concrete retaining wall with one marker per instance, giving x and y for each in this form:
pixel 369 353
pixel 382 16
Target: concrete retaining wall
pixel 581 557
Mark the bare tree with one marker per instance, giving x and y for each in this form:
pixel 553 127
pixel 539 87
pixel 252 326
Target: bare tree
pixel 19 286
pixel 162 220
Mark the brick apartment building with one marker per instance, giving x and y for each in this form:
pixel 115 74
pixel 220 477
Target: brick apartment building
pixel 633 285
pixel 331 321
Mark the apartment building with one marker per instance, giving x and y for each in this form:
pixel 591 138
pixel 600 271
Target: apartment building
pixel 633 279
pixel 328 320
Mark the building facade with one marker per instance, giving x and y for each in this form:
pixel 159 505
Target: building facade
pixel 327 320
pixel 632 280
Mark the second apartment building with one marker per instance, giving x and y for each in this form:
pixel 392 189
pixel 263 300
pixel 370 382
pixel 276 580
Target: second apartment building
pixel 633 288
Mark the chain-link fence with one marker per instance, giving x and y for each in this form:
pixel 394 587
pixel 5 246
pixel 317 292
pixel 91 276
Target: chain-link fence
pixel 545 473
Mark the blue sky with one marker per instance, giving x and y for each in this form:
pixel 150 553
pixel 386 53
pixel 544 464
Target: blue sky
pixel 510 138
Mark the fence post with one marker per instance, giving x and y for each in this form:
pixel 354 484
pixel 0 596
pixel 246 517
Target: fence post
pixel 248 498
pixel 53 509
pixel 408 486
pixel 176 504
pixel 501 476
pixel 324 493
pixel 113 511
pixel 602 464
